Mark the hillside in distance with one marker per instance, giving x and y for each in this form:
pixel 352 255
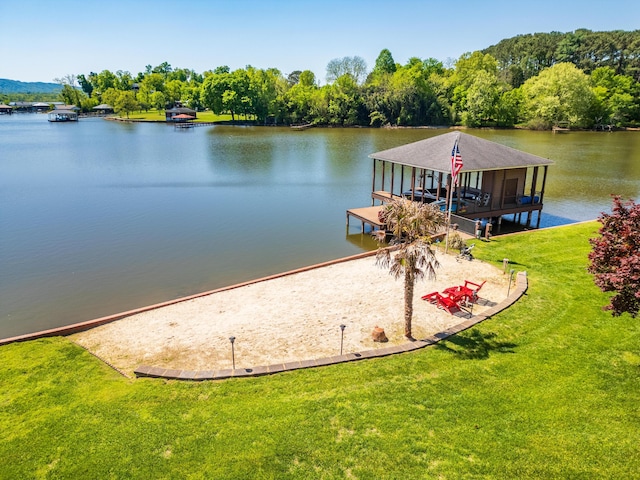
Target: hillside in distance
pixel 15 86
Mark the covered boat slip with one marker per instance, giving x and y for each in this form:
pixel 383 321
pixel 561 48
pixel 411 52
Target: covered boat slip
pixel 495 180
pixel 60 115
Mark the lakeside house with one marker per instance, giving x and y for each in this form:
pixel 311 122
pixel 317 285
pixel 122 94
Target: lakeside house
pixel 5 109
pixel 493 182
pixel 180 114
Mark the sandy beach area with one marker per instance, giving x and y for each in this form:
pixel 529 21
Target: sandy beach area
pixel 292 317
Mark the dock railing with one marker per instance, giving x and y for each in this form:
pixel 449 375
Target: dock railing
pixel 465 225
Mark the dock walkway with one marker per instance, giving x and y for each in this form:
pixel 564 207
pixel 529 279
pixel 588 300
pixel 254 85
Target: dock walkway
pixel 368 216
pixel 193 124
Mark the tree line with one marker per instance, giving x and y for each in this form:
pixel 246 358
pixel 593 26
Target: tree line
pixel 583 79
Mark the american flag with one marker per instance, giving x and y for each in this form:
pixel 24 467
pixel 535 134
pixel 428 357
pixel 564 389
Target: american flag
pixel 456 163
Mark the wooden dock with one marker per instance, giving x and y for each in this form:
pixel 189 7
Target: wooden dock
pixel 193 124
pixel 368 216
pixel 304 126
pixel 384 196
pixel 561 127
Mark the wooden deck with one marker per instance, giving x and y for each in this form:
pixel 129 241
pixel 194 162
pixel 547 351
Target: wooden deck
pixel 193 124
pixel 384 196
pixel 367 215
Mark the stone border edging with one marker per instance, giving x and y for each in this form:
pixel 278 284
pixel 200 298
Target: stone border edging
pixel 200 375
pixel 82 326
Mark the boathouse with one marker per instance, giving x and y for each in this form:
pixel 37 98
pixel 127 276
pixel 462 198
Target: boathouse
pixel 103 109
pixel 495 181
pixel 177 114
pixel 62 115
pixel 5 109
pixel 41 107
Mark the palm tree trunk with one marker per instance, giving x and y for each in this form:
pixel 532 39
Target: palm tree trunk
pixel 409 281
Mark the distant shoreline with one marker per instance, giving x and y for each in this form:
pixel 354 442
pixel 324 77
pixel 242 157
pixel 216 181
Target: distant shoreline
pixel 250 123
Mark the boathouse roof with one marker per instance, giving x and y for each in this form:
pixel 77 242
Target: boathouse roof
pixel 179 110
pixel 58 106
pixel 477 154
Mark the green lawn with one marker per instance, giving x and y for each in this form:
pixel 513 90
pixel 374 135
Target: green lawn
pixel 159 116
pixel 547 389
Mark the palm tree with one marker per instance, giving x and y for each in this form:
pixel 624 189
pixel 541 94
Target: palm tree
pixel 412 225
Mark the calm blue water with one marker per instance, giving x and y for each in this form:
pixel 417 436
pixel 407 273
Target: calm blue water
pixel 98 217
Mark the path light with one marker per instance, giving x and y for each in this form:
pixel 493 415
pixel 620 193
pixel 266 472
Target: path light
pixel 342 327
pixel 505 265
pixel 233 355
pixel 510 280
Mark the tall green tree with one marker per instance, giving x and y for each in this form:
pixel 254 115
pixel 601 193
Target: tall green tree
pixel 408 93
pixel 617 97
pixel 71 96
pixel 124 80
pixel 159 102
pixel 173 90
pixel 148 86
pixel 104 81
pixel 345 102
pixel 266 88
pixel 384 63
pixel 468 70
pixel 191 96
pixel 163 69
pixel 412 225
pixel 110 96
pixel 299 99
pixel 407 96
pixel 85 84
pixel 483 96
pixel 507 113
pixel 227 92
pixel 561 93
pixel 126 103
pixel 525 56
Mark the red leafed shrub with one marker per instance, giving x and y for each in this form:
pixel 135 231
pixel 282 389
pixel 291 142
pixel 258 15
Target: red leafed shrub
pixel 615 257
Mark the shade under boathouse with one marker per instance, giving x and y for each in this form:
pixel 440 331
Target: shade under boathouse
pixel 495 180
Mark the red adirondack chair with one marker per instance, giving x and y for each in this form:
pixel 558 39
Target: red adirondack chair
pixel 471 290
pixel 431 297
pixel 448 304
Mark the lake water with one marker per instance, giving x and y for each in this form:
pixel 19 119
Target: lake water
pixel 99 217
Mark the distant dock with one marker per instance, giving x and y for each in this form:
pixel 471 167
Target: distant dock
pixel 303 126
pixel 181 125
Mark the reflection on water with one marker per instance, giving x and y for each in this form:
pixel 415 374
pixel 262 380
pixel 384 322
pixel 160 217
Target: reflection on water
pixel 98 217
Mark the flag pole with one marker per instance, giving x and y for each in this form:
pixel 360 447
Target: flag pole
pixel 450 199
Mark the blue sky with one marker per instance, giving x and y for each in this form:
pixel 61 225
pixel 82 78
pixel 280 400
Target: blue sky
pixel 47 39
